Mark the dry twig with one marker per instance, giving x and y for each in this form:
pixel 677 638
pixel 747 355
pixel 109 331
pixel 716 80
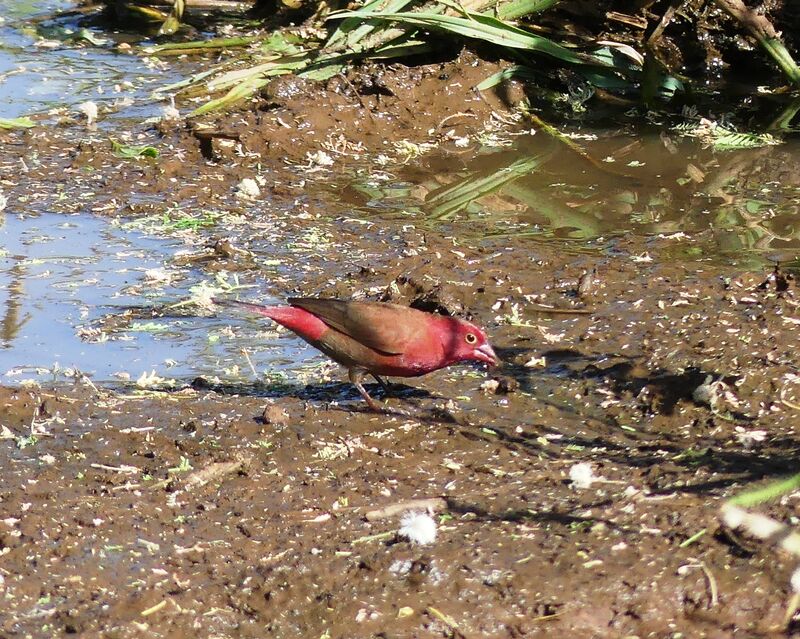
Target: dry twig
pixel 432 503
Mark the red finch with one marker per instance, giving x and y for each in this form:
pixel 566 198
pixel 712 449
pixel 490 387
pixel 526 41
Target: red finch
pixel 379 338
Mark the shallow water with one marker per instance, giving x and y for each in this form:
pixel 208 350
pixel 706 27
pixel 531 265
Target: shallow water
pixel 44 65
pixel 63 278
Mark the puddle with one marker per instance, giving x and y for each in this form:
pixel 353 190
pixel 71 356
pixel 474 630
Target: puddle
pixel 62 277
pixel 739 206
pixel 41 71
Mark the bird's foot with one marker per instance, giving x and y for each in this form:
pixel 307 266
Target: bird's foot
pixel 385 385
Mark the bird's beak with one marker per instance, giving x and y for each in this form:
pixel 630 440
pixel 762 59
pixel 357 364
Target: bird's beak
pixel 485 353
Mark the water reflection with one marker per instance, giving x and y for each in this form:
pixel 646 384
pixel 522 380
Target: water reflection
pixel 655 183
pixel 12 322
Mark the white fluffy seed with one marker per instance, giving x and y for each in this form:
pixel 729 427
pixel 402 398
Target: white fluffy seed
pixel 248 189
pixel 89 109
pixel 582 475
pixel 418 528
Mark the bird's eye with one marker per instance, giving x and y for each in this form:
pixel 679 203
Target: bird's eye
pixel 471 339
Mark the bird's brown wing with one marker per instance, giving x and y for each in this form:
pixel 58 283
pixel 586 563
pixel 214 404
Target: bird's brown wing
pixel 387 328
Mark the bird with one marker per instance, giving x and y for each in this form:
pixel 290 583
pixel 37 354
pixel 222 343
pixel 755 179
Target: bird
pixel 378 338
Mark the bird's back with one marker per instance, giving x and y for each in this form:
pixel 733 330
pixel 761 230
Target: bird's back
pixel 386 328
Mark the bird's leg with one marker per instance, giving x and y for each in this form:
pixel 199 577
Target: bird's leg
pixel 384 384
pixel 356 375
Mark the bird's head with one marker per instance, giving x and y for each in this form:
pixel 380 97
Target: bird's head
pixel 468 342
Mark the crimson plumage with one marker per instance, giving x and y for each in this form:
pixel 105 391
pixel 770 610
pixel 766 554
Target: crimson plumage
pixel 377 337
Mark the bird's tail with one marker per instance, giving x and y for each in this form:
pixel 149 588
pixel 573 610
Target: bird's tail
pixel 305 324
pixel 266 311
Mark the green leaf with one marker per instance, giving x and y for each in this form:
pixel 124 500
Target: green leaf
pixel 323 70
pixel 91 38
pixel 173 21
pixel 724 139
pixel 517 8
pixel 16 123
pixel 730 140
pixel 133 152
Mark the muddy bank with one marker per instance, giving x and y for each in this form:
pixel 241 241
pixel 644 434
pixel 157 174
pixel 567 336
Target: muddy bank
pixel 373 118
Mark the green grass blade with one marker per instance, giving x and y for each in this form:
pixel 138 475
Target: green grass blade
pixel 269 68
pixel 517 8
pixel 514 71
pixel 214 43
pixel 248 84
pixel 612 79
pixel 194 79
pixel 352 30
pixel 241 91
pixel 485 28
pixel 401 49
pixel 783 58
pixel 231 78
pixel 767 493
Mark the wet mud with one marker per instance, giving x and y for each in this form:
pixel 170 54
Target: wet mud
pixel 575 489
